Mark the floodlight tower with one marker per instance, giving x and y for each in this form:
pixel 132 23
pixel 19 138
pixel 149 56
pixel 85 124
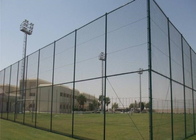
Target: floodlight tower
pixel 102 58
pixel 28 30
pixel 140 72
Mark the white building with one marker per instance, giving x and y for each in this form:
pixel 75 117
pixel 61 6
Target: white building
pixel 62 97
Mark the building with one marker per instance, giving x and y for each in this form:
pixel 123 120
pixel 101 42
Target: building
pixel 62 97
pixel 11 105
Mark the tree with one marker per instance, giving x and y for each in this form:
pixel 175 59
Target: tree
pixel 132 105
pixel 141 105
pixel 114 105
pixel 101 99
pixel 96 104
pixel 107 101
pixel 136 104
pixel 91 107
pixel 81 100
pixel 147 105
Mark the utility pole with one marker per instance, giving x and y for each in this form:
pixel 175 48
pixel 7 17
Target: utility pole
pixel 28 30
pixel 140 72
pixel 102 58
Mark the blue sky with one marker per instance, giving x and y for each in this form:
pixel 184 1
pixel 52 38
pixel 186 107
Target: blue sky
pixel 54 19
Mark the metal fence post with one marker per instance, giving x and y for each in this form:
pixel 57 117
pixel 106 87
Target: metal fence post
pixel 52 86
pixel 16 91
pixel 74 79
pixel 192 91
pixel 24 89
pixel 171 88
pixel 37 88
pixel 105 75
pixel 183 85
pixel 3 93
pixel 8 105
pixel 149 69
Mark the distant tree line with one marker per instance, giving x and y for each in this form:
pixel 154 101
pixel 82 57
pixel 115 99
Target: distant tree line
pixel 97 103
pixel 94 106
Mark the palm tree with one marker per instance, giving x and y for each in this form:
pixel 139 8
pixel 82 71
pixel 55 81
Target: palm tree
pixel 107 101
pixel 101 99
pixel 147 105
pixel 115 105
pixel 95 105
pixel 81 100
pixel 131 105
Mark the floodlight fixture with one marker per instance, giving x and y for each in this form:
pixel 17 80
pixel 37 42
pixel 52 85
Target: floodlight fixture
pixel 26 27
pixel 102 56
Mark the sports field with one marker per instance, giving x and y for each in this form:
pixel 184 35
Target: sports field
pixel 118 126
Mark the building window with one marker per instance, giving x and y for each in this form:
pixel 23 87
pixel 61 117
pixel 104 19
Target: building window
pixel 60 106
pixel 61 94
pixel 32 94
pixel 64 95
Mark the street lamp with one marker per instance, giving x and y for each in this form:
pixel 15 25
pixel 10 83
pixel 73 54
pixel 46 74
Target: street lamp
pixel 102 58
pixel 140 72
pixel 28 30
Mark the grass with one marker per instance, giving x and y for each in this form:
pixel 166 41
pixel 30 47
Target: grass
pixel 15 131
pixel 91 125
pixel 118 126
pixel 192 138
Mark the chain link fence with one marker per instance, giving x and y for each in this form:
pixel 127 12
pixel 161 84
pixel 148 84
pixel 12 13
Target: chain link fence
pixel 143 86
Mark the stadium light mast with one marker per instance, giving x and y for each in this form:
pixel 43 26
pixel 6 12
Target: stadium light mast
pixel 27 29
pixel 102 58
pixel 140 72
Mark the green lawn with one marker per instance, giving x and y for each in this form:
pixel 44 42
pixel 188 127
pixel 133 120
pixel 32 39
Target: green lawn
pixel 14 131
pixel 192 138
pixel 118 126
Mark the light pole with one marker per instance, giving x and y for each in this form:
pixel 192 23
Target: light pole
pixel 140 72
pixel 28 30
pixel 102 58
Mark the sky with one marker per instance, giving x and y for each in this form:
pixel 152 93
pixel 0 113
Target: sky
pixel 54 19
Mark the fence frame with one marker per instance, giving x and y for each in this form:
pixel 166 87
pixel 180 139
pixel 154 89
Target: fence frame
pixel 150 71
